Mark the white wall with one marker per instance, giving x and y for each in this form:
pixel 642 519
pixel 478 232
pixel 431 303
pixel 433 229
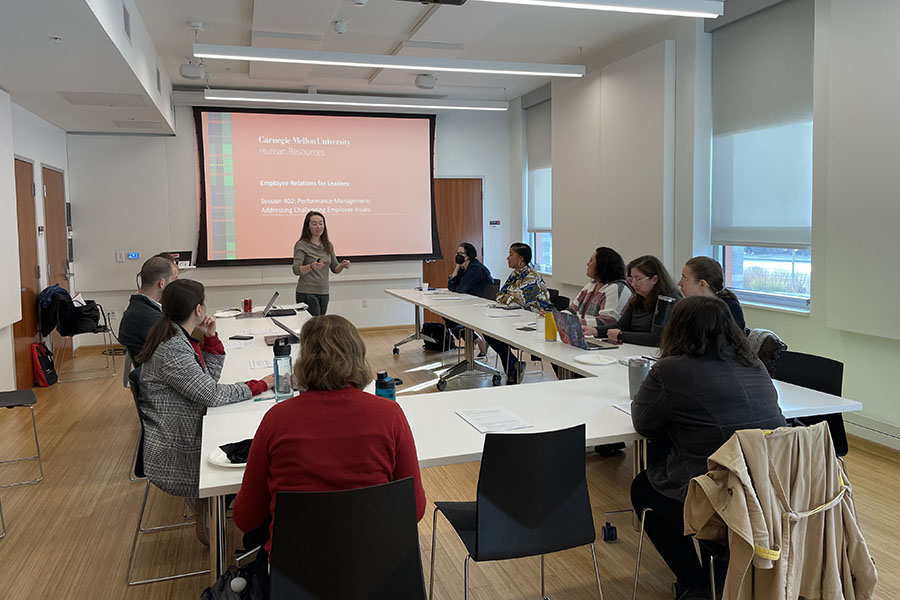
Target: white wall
pixel 140 194
pixel 10 304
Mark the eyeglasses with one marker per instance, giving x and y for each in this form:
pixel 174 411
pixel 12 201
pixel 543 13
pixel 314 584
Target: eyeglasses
pixel 683 279
pixel 634 280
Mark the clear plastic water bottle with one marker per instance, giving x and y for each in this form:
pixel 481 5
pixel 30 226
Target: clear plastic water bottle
pixel 283 369
pixel 385 386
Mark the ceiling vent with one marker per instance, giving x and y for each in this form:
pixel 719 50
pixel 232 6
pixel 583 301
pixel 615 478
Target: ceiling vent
pixel 137 124
pixel 103 99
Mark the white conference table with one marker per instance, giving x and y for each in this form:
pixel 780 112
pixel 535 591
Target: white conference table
pixel 474 314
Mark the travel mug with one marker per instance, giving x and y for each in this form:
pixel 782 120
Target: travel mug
pixel 637 372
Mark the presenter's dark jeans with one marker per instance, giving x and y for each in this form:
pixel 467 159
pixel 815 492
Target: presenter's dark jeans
pixel 317 303
pixel 665 528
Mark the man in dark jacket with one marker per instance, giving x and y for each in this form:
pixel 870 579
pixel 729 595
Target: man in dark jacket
pixel 144 308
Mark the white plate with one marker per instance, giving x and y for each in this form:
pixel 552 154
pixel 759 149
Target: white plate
pixel 595 359
pixel 220 459
pixel 224 314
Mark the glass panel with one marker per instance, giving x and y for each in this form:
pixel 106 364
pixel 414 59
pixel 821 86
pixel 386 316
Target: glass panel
pixel 777 271
pixel 542 244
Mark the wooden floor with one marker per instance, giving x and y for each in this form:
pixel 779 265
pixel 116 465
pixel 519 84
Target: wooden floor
pixel 69 536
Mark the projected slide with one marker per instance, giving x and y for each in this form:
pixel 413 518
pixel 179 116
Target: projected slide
pixel 262 172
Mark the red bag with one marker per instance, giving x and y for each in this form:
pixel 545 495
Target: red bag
pixel 42 361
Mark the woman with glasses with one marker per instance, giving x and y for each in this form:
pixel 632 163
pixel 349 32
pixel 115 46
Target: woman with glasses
pixel 524 287
pixel 703 276
pixel 649 280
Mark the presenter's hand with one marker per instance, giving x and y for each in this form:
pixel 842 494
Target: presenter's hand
pixel 208 326
pixel 316 265
pixel 345 264
pixel 270 381
pixel 613 335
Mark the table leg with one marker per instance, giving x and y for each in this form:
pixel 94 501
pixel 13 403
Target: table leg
pixel 216 507
pixel 417 334
pixel 468 363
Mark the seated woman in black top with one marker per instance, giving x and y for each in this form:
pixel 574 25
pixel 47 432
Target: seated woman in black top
pixel 649 279
pixel 469 277
pixel 703 276
pixel 707 385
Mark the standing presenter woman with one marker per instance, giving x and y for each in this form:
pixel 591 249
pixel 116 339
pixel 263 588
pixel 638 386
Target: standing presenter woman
pixel 313 256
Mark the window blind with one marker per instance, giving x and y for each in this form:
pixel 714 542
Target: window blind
pixel 762 93
pixel 538 160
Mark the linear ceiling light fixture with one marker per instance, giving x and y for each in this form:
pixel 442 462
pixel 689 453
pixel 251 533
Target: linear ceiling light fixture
pixel 353 101
pixel 709 9
pixel 379 61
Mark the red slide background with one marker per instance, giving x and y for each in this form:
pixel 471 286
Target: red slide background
pixel 386 164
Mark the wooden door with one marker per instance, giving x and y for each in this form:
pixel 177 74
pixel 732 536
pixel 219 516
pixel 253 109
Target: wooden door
pixel 457 205
pixel 26 331
pixel 57 238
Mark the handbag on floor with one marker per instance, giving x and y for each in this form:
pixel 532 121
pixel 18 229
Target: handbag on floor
pixel 225 586
pixel 42 363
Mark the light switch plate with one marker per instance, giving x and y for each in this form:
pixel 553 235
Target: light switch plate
pixel 120 256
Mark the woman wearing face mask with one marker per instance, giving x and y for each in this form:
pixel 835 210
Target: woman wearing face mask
pixel 469 277
pixel 649 280
pixel 703 276
pixel 313 252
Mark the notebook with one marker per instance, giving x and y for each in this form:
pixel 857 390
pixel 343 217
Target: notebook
pixel 571 333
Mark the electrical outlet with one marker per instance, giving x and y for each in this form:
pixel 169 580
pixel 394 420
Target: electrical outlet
pixel 365 303
pixel 111 315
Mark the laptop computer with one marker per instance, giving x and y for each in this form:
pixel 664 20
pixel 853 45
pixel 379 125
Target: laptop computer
pixel 294 337
pixel 571 333
pixel 263 312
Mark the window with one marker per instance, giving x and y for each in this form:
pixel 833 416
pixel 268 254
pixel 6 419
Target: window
pixel 773 276
pixel 762 153
pixel 539 185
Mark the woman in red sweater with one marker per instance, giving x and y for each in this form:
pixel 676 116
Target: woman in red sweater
pixel 334 436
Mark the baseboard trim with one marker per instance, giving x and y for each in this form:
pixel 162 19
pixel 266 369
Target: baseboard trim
pixel 879 432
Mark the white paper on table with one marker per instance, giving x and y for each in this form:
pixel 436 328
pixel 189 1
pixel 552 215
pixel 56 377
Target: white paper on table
pixel 262 363
pixel 447 297
pixel 526 324
pixel 259 331
pixel 496 418
pixel 483 304
pixel 235 344
pixel 500 314
pixel 437 292
pixel 625 407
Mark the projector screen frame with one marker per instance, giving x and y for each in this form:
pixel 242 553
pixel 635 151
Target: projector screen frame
pixel 202 255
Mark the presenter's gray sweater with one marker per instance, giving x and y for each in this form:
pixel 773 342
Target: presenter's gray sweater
pixel 314 282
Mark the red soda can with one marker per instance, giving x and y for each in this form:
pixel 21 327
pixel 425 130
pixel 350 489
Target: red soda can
pixel 248 305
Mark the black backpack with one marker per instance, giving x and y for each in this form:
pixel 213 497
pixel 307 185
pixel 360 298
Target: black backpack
pixel 438 332
pixel 42 363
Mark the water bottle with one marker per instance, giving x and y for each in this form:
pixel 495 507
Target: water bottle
pixel 283 370
pixel 385 386
pixel 549 327
pixel 664 306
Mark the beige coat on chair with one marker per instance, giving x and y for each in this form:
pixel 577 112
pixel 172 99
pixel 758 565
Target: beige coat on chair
pixel 791 524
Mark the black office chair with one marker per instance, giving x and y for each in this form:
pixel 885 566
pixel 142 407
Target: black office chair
pixel 560 302
pixel 490 291
pixel 554 294
pixel 532 499
pixel 820 374
pixel 361 543
pixel 135 384
pixel 17 399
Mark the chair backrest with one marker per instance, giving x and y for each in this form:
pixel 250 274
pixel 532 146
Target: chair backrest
pixel 361 543
pixel 561 303
pixel 554 294
pixel 490 291
pixel 134 381
pixel 820 374
pixel 768 348
pixel 532 494
pixel 496 282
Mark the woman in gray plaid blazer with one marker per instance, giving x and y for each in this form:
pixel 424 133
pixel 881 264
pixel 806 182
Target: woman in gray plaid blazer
pixel 179 379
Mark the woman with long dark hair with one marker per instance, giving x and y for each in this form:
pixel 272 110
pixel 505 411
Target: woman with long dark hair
pixel 313 258
pixel 707 384
pixel 649 280
pixel 703 276
pixel 179 380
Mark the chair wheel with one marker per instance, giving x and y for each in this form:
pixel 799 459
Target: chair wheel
pixel 496 380
pixel 441 385
pixel 396 351
pixel 609 533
